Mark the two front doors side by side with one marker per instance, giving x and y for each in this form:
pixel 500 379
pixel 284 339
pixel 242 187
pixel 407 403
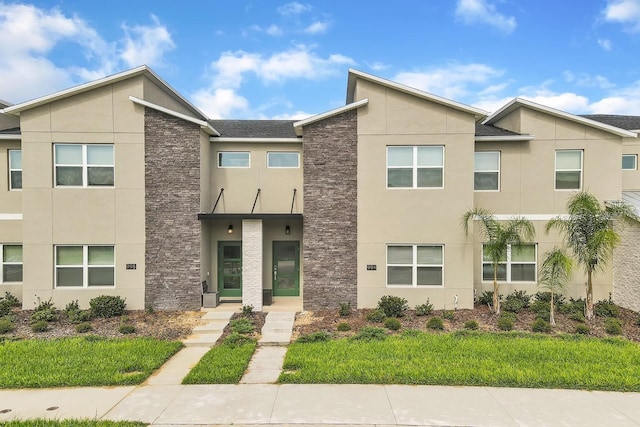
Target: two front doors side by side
pixel 285 273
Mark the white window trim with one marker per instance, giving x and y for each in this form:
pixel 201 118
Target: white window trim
pixel 3 263
pixel 509 264
pixel 232 152
pixel 85 166
pixel 284 152
pixel 635 162
pixel 414 266
pixel 498 171
pixel 555 170
pixel 84 266
pixel 414 167
pixel 13 170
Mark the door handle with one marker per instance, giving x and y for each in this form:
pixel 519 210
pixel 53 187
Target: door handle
pixel 275 273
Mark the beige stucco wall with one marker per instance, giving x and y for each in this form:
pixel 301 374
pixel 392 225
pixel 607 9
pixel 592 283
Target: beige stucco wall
pixel 413 216
pixel 631 178
pixel 158 95
pixel 10 203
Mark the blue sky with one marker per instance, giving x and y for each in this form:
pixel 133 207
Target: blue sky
pixel 279 59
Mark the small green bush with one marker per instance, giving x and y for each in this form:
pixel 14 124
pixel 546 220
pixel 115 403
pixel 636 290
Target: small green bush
pixel 487 298
pixel 471 325
pixel 573 306
pixel 127 328
pixel 516 301
pixel 613 326
pixel 448 314
pixel 424 309
pixel 5 307
pixel 247 310
pixel 44 315
pixel 582 329
pixel 606 308
pixel 107 306
pixel 543 315
pixel 546 297
pixel 370 333
pixel 505 321
pixel 578 317
pixel 9 298
pixel 345 309
pixel 376 316
pixel 541 325
pixel 343 327
pixel 637 321
pixel 45 305
pixel 242 326
pixel 392 323
pixel 6 326
pixel 72 306
pixel 435 323
pixel 235 339
pixel 40 326
pixel 83 327
pixel 392 306
pixel 319 336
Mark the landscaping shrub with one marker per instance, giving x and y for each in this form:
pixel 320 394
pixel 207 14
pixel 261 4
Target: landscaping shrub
pixel 543 315
pixel 613 326
pixel 242 326
pixel 5 307
pixel 44 312
pixel 637 321
pixel 424 309
pixel 573 306
pixel 247 310
pixel 40 326
pixel 126 328
pixel 487 298
pixel 83 327
pixel 6 326
pixel 606 308
pixel 448 314
pixel 582 329
pixel 392 306
pixel 74 314
pixel 578 317
pixel 11 299
pixel 376 316
pixel 345 309
pixel 107 306
pixel 541 325
pixel 546 297
pixel 235 339
pixel 516 301
pixel 471 325
pixel 343 327
pixel 370 333
pixel 319 336
pixel 505 321
pixel 392 323
pixel 435 323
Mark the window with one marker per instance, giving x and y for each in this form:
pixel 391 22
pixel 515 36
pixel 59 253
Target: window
pixel 283 159
pixel 415 167
pixel 518 266
pixel 11 263
pixel 233 159
pixel 84 266
pixel 415 265
pixel 629 161
pixel 568 169
pixel 82 165
pixel 486 176
pixel 15 169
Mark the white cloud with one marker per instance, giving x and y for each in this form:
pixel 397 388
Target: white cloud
pixel 377 66
pixel 220 103
pixel 566 101
pixel 145 44
pixel 626 12
pixel 480 11
pixel 621 101
pixel 293 8
pixel 587 80
pixel 274 30
pixel 605 44
pixel 317 28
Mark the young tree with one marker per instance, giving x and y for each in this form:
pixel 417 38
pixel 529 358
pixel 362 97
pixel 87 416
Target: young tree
pixel 496 235
pixel 589 233
pixel 554 274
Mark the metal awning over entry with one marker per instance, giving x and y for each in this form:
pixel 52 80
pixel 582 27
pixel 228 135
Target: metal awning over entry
pixel 241 216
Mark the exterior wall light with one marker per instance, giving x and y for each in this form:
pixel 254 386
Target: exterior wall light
pixel 287 230
pixel 230 229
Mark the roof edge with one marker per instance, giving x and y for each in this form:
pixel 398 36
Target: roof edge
pixel 10 136
pixel 251 140
pixel 202 123
pixel 354 105
pixel 501 138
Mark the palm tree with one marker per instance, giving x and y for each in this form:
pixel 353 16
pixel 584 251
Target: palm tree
pixel 554 274
pixel 496 236
pixel 589 233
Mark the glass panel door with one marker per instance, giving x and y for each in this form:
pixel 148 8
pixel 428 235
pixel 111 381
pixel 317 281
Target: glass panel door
pixel 230 269
pixel 286 268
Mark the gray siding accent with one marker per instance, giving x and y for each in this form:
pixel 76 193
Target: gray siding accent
pixel 626 268
pixel 330 212
pixel 172 201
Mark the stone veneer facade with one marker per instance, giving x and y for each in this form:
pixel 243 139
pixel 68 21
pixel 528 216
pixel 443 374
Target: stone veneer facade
pixel 252 256
pixel 172 201
pixel 626 269
pixel 330 212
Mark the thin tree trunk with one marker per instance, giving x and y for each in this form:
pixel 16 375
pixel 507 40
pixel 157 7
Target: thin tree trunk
pixel 589 305
pixel 552 319
pixel 496 296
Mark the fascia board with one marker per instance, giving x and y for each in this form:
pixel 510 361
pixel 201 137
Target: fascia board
pixel 203 124
pixel 300 124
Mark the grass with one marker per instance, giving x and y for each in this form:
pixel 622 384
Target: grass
pixel 223 364
pixel 469 358
pixel 72 423
pixel 84 361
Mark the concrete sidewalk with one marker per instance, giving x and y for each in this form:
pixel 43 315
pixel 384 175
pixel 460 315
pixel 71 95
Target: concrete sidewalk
pixel 269 404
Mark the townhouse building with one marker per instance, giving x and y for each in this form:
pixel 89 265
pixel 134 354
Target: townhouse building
pixel 122 187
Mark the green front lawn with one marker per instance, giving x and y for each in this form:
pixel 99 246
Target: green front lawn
pixel 223 364
pixel 86 361
pixel 72 423
pixel 469 358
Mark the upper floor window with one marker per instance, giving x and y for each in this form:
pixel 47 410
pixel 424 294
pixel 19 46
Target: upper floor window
pixel 84 266
pixel 415 265
pixel 283 159
pixel 519 264
pixel 629 161
pixel 10 263
pixel 234 159
pixel 486 176
pixel 84 165
pixel 15 169
pixel 568 169
pixel 415 166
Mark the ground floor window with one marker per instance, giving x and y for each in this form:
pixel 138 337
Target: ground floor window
pixel 415 265
pixel 519 264
pixel 84 266
pixel 10 263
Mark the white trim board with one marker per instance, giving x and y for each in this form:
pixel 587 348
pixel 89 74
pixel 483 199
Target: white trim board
pixel 10 216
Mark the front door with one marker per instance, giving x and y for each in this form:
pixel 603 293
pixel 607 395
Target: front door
pixel 286 268
pixel 230 269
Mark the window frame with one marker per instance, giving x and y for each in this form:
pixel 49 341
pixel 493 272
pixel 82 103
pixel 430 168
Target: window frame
pixel 414 266
pixel 635 162
pixel 297 153
pixel 85 267
pixel 475 170
pixel 556 170
pixel 219 159
pixel 509 263
pixel 4 263
pixel 13 169
pixel 84 165
pixel 415 167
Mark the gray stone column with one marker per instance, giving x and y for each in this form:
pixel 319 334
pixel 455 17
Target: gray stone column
pixel 252 263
